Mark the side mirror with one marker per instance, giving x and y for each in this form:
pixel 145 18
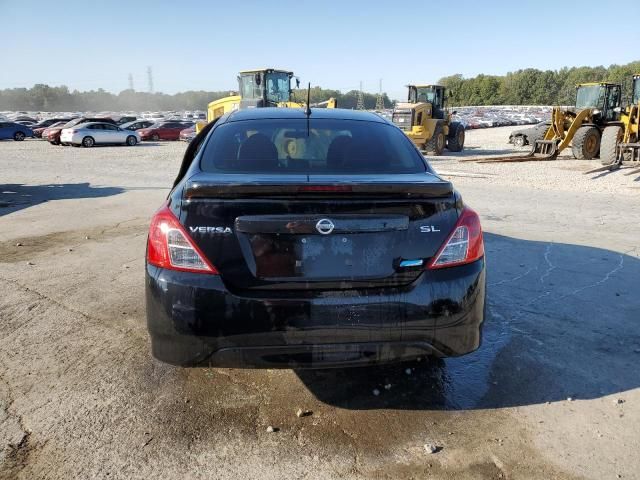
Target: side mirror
pixel 297 82
pixel 258 79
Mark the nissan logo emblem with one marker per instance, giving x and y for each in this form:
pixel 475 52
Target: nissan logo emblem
pixel 325 226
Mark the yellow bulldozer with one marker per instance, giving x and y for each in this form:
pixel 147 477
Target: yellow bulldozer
pixel 597 108
pixel 426 121
pixel 620 140
pixel 264 87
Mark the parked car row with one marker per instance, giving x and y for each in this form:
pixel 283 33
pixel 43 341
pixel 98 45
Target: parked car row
pixel 500 116
pixel 64 128
pixel 90 131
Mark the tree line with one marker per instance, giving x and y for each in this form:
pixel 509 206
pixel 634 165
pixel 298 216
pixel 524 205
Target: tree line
pixel 523 87
pixel 534 87
pixel 60 99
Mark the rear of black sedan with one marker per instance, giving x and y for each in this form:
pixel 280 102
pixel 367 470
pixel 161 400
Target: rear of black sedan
pixel 311 241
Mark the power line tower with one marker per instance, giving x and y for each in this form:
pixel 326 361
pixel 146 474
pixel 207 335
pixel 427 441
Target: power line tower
pixel 360 103
pixel 131 82
pixel 380 99
pixel 150 79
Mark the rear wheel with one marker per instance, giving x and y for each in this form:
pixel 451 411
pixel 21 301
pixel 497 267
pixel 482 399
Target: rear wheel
pixel 436 143
pixel 131 140
pixel 88 142
pixel 586 143
pixel 611 136
pixel 455 140
pixel 18 136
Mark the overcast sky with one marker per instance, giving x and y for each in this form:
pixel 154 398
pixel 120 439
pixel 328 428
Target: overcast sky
pixel 201 45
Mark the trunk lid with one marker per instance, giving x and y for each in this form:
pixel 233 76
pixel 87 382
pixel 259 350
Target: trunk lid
pixel 292 232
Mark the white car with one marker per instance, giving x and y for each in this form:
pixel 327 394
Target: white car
pixel 98 133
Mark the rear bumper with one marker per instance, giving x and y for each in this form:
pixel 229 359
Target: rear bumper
pixel 193 320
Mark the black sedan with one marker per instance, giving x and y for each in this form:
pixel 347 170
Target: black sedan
pixel 321 240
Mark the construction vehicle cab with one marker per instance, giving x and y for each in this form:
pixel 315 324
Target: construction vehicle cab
pixel 265 88
pixel 433 94
pixel 424 119
pixel 603 98
pixel 636 90
pixel 620 139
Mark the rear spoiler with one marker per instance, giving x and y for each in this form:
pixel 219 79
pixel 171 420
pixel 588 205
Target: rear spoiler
pixel 221 189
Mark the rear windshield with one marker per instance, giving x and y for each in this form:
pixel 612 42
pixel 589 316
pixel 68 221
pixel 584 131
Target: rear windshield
pixel 326 146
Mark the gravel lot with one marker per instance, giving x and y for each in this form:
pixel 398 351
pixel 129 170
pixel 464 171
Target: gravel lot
pixel 552 393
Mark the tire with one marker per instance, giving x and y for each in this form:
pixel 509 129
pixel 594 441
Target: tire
pixel 611 136
pixel 88 142
pixel 131 140
pixel 519 141
pixel 436 143
pixel 18 136
pixel 155 137
pixel 455 140
pixel 586 143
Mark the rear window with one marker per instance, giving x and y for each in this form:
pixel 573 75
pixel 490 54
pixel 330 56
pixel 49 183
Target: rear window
pixel 325 147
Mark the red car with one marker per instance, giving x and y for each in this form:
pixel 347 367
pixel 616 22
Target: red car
pixel 188 134
pixel 43 125
pixel 163 131
pixel 45 131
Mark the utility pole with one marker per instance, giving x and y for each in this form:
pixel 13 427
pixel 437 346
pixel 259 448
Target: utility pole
pixel 380 99
pixel 131 82
pixel 150 79
pixel 360 104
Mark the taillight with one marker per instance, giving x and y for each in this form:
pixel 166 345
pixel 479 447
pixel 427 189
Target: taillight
pixel 464 245
pixel 169 245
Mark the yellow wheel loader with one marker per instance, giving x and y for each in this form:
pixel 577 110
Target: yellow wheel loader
pixel 265 87
pixel 424 119
pixel 620 141
pixel 582 127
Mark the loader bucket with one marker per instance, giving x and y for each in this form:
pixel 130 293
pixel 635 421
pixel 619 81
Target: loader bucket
pixel 547 148
pixel 628 152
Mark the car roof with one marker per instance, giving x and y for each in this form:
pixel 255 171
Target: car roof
pixel 299 113
pixel 85 124
pixel 138 120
